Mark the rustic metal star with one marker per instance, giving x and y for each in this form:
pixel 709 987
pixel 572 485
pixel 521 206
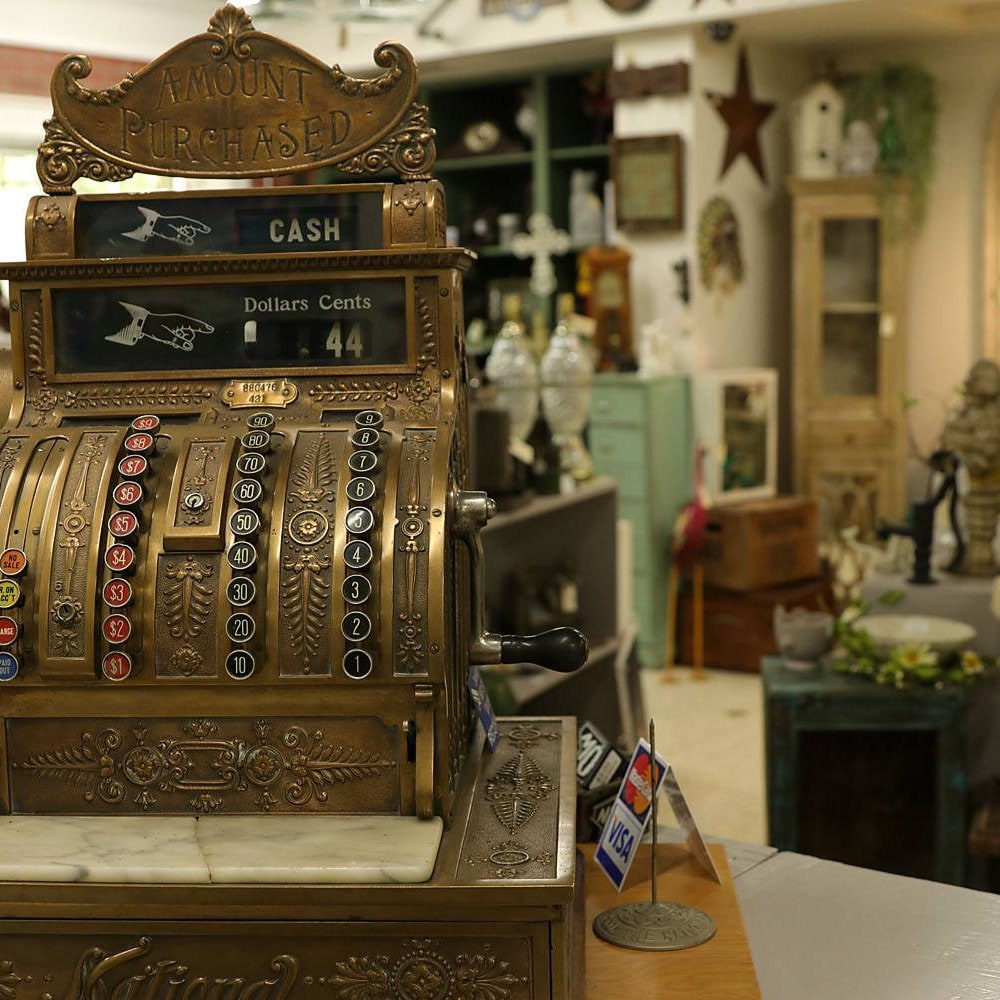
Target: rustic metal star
pixel 743 116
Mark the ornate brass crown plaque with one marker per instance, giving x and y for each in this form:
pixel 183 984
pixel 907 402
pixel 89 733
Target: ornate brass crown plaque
pixel 235 102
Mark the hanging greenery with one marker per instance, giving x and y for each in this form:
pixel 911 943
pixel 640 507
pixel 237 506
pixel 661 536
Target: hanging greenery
pixel 899 101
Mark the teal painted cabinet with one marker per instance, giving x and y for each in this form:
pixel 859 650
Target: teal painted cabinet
pixel 640 434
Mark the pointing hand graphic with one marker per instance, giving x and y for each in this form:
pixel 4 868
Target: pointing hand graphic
pixel 174 228
pixel 173 329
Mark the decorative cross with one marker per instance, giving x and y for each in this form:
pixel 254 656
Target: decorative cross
pixel 544 243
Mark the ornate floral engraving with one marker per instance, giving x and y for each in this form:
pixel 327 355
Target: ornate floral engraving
pixel 188 599
pixel 36 364
pixel 316 477
pixel 305 598
pixel 409 149
pixel 516 790
pixel 232 24
pixel 115 396
pixel 200 471
pixel 76 68
pixel 299 766
pixel 411 199
pixel 355 391
pixel 9 981
pixel 411 651
pixel 50 215
pixel 385 55
pixel 510 859
pixel 524 736
pixel 62 161
pixel 423 972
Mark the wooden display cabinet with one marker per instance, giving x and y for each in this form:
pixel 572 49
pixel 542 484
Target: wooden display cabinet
pixel 849 352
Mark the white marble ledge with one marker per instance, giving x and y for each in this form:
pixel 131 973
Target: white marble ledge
pixel 100 849
pixel 324 850
pixel 320 849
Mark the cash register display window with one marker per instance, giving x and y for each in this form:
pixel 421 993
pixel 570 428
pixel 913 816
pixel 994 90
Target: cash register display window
pixel 346 323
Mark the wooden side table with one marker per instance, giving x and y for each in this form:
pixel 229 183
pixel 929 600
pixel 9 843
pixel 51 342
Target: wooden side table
pixel 865 775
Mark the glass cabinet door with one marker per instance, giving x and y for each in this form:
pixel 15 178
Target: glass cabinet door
pixel 850 309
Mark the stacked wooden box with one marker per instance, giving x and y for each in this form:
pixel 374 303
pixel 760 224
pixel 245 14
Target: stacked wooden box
pixel 758 554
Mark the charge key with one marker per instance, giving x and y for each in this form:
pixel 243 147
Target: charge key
pixel 247 491
pixel 133 466
pixel 251 463
pixel 116 665
pixel 9 630
pixel 242 556
pixel 368 418
pixel 8 666
pixel 13 562
pixel 10 594
pixel 240 664
pixel 357 664
pixel 261 421
pixel 256 441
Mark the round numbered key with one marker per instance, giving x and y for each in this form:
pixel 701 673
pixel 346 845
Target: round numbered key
pixel 240 627
pixel 240 664
pixel 127 494
pixel 242 556
pixel 116 665
pixel 241 591
pixel 361 489
pixel 356 626
pixel 117 593
pixel 244 522
pixel 122 524
pixel 8 666
pixel 133 466
pixel 261 421
pixel 116 628
pixel 8 630
pixel 140 443
pixel 356 589
pixel 247 491
pixel 360 520
pixel 148 422
pixel 357 664
pixel 10 593
pixel 362 461
pixel 251 463
pixel 119 557
pixel 368 418
pixel 357 553
pixel 256 441
pixel 366 437
pixel 13 562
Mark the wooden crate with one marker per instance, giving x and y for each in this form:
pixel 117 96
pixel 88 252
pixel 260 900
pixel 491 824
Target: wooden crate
pixel 762 543
pixel 738 626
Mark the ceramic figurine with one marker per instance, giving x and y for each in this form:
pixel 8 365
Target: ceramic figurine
pixel 586 213
pixel 859 150
pixel 974 433
pixel 511 366
pixel 567 378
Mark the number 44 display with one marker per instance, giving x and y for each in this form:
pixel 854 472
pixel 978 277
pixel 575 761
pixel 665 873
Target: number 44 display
pixel 354 344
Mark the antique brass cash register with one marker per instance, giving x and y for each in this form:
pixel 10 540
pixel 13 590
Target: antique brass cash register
pixel 240 571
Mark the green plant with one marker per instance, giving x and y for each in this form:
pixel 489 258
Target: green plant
pixel 902 667
pixel 899 100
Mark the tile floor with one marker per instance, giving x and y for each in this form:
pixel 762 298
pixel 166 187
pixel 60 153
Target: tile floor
pixel 712 731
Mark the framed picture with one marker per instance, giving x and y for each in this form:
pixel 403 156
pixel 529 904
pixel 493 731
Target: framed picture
pixel 648 173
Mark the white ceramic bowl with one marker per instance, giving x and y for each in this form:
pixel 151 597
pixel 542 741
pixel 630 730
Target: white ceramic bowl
pixel 940 634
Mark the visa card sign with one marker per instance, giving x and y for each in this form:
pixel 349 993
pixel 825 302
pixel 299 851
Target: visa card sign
pixel 630 814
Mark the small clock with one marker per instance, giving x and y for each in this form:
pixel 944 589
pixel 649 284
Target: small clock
pixel 481 137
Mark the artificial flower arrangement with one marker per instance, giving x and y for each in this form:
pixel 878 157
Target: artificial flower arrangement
pixel 906 666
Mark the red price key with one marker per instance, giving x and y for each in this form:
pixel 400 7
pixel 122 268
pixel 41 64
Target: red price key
pixel 117 665
pixel 140 442
pixel 8 630
pixel 133 466
pixel 147 422
pixel 119 558
pixel 13 562
pixel 127 494
pixel 123 523
pixel 117 593
pixel 116 628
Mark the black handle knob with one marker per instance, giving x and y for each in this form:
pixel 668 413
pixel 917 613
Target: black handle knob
pixel 561 649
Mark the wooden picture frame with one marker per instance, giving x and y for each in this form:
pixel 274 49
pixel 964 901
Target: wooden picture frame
pixel 648 174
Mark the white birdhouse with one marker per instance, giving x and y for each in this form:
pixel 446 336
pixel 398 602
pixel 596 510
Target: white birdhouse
pixel 817 130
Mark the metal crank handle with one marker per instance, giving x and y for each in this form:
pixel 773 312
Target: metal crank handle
pixel 561 649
